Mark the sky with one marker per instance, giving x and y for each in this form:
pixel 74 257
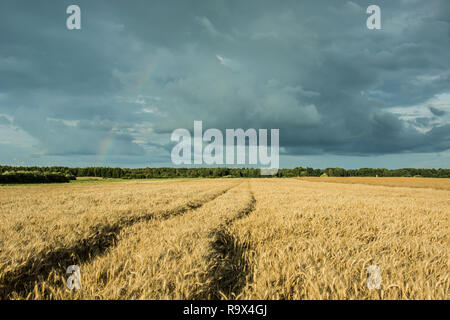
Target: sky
pixel 112 93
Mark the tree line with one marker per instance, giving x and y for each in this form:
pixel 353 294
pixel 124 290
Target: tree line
pixel 152 173
pixel 35 176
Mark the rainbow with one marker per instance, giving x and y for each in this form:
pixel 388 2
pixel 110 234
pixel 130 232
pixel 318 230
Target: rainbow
pixel 107 142
pixel 145 77
pixel 103 148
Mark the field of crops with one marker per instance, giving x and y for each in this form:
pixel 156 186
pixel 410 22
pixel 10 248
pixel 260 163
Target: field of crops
pixel 443 184
pixel 227 239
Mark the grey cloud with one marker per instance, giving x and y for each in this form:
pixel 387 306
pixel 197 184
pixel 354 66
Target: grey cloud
pixel 437 112
pixel 4 120
pixel 311 69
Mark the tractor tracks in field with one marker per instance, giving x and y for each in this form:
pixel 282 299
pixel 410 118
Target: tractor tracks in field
pixel 229 264
pixel 37 269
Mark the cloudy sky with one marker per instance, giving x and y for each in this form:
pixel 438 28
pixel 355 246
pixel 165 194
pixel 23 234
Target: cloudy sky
pixel 111 93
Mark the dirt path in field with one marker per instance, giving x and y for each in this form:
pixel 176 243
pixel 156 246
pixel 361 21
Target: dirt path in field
pixel 229 265
pixel 21 280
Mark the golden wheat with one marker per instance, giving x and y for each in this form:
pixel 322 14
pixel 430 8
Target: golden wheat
pixel 51 225
pixel 227 239
pixel 432 183
pixel 317 240
pixel 158 259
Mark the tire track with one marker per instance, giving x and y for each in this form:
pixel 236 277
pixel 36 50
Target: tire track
pixel 229 260
pixel 37 269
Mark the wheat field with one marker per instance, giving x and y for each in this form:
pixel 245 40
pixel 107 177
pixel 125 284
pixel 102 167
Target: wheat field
pixel 264 238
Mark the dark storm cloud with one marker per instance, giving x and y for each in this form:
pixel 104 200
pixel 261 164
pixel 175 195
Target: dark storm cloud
pixel 437 112
pixel 4 120
pixel 140 69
